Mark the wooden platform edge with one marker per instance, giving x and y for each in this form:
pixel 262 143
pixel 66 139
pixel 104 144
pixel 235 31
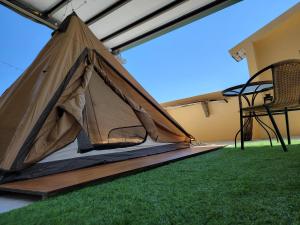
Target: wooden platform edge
pixel 109 178
pixel 123 174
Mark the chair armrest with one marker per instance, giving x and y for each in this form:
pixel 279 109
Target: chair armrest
pixel 249 82
pixel 253 77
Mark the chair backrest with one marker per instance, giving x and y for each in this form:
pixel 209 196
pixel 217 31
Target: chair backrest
pixel 286 80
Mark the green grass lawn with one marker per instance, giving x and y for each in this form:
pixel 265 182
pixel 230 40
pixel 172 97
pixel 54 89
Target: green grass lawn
pixel 260 185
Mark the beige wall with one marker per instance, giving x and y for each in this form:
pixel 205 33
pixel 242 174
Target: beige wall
pixel 221 125
pixel 282 42
pixel 277 41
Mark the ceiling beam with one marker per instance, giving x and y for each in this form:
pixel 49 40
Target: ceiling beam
pixel 106 11
pixel 28 12
pixel 47 19
pixel 182 20
pixel 142 20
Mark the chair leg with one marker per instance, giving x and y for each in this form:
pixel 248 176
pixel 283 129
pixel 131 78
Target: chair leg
pixel 287 125
pixel 263 126
pixel 242 129
pixel 276 129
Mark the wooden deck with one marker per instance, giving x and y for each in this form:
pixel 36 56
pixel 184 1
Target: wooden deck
pixel 67 181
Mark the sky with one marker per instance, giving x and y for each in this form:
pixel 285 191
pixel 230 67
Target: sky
pixel 189 61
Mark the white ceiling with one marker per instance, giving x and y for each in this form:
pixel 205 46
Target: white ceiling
pixel 106 17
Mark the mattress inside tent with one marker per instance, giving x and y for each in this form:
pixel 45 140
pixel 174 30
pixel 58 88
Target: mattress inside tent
pixel 68 158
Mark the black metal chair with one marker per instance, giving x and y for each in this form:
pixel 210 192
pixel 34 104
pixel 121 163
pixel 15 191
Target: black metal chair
pixel 286 96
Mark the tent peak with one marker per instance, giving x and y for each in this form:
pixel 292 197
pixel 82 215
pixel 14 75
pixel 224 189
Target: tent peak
pixel 65 24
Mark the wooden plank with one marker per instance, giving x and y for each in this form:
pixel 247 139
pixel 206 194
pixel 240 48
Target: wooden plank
pixel 56 183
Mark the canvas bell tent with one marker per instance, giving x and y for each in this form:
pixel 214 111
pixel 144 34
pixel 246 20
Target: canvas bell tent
pixel 75 91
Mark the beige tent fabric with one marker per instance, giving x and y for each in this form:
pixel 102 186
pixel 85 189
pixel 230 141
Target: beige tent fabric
pixel 65 120
pixel 140 113
pixel 106 111
pixel 24 103
pixel 172 134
